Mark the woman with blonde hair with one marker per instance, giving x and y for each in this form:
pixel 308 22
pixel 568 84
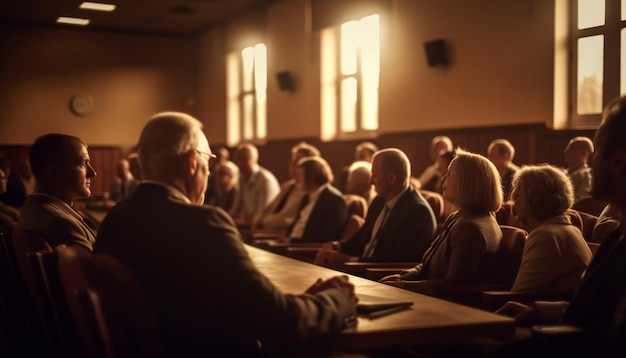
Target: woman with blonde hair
pixel 466 248
pixel 555 254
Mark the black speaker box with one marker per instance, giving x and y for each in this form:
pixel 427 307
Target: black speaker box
pixel 285 81
pixel 436 53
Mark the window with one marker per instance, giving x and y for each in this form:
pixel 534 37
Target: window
pixel 246 76
pixel 599 48
pixel 350 67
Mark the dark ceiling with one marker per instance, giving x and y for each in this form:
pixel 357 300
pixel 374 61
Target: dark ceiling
pixel 171 17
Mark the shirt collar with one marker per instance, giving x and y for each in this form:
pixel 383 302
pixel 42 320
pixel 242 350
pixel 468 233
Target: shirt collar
pixel 173 191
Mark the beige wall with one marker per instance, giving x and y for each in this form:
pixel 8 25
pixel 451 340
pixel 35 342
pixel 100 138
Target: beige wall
pixel 501 73
pixel 130 77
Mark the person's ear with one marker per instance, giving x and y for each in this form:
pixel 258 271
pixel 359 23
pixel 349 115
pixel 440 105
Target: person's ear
pixel 192 163
pixel 392 177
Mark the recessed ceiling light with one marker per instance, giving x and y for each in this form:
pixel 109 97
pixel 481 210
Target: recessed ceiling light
pixel 72 21
pixel 96 6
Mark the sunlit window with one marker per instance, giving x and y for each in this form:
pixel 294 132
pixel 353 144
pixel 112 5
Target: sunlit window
pixel 246 87
pixel 599 49
pixel 350 67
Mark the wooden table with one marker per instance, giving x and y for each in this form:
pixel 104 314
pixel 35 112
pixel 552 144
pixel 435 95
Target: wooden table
pixel 429 320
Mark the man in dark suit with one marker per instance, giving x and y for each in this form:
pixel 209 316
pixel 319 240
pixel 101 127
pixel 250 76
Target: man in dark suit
pixel 599 306
pixel 60 164
pixel 323 210
pixel 400 225
pixel 209 298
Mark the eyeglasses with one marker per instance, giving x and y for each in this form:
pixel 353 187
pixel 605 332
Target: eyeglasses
pixel 210 155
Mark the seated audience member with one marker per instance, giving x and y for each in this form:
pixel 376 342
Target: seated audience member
pixel 133 164
pixel 399 224
pixel 465 250
pixel 608 223
pixel 221 156
pixel 124 184
pixel 257 185
pixel 323 211
pixel 216 303
pixel 430 176
pixel 15 194
pixel 61 167
pixel 501 153
pixel 444 162
pixel 8 211
pixel 598 308
pixel 555 254
pixel 226 181
pixel 360 181
pixel 577 153
pixel 362 152
pixel 281 212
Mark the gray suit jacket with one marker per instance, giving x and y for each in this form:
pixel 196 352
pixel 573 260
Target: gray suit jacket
pixel 208 296
pixel 56 221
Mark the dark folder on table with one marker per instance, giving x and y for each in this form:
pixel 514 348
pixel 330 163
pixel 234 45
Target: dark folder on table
pixel 376 306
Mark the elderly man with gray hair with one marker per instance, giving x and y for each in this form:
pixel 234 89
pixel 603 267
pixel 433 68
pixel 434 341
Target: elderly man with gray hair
pixel 209 298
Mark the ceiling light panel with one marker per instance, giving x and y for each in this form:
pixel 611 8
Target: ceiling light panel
pixel 97 6
pixel 72 21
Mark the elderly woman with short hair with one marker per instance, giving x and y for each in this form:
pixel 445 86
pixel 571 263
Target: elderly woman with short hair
pixel 555 254
pixel 465 250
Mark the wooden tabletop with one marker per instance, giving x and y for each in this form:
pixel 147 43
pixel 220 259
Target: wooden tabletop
pixel 429 320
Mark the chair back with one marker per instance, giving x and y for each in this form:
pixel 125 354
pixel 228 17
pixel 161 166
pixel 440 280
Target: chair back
pixel 18 314
pixel 436 202
pixel 591 206
pixel 509 257
pixel 352 225
pixel 357 205
pixel 588 222
pixel 504 216
pixel 593 246
pixel 111 311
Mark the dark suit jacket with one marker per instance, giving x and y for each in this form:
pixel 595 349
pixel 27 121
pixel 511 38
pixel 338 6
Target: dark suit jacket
pixel 596 303
pixel 405 235
pixel 56 221
pixel 327 218
pixel 464 252
pixel 208 296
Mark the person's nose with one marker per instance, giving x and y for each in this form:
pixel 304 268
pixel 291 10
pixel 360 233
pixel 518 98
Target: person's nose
pixel 91 172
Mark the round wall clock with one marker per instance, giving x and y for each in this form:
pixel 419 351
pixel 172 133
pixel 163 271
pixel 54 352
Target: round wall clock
pixel 81 104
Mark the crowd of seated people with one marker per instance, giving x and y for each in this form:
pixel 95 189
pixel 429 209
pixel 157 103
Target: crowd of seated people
pixel 466 248
pixel 400 225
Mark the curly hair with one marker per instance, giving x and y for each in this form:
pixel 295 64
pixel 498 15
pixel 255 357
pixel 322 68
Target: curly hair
pixel 547 189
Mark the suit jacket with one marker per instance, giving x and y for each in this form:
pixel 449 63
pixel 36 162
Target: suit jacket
pixel 600 300
pixel 405 235
pixel 208 296
pixel 555 257
pixel 56 221
pixel 464 252
pixel 275 217
pixel 328 217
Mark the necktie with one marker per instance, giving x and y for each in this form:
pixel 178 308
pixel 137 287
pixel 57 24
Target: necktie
pixel 303 203
pixel 380 221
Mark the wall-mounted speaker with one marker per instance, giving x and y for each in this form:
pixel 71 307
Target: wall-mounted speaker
pixel 285 81
pixel 436 53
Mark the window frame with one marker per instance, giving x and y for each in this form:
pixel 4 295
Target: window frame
pixel 611 30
